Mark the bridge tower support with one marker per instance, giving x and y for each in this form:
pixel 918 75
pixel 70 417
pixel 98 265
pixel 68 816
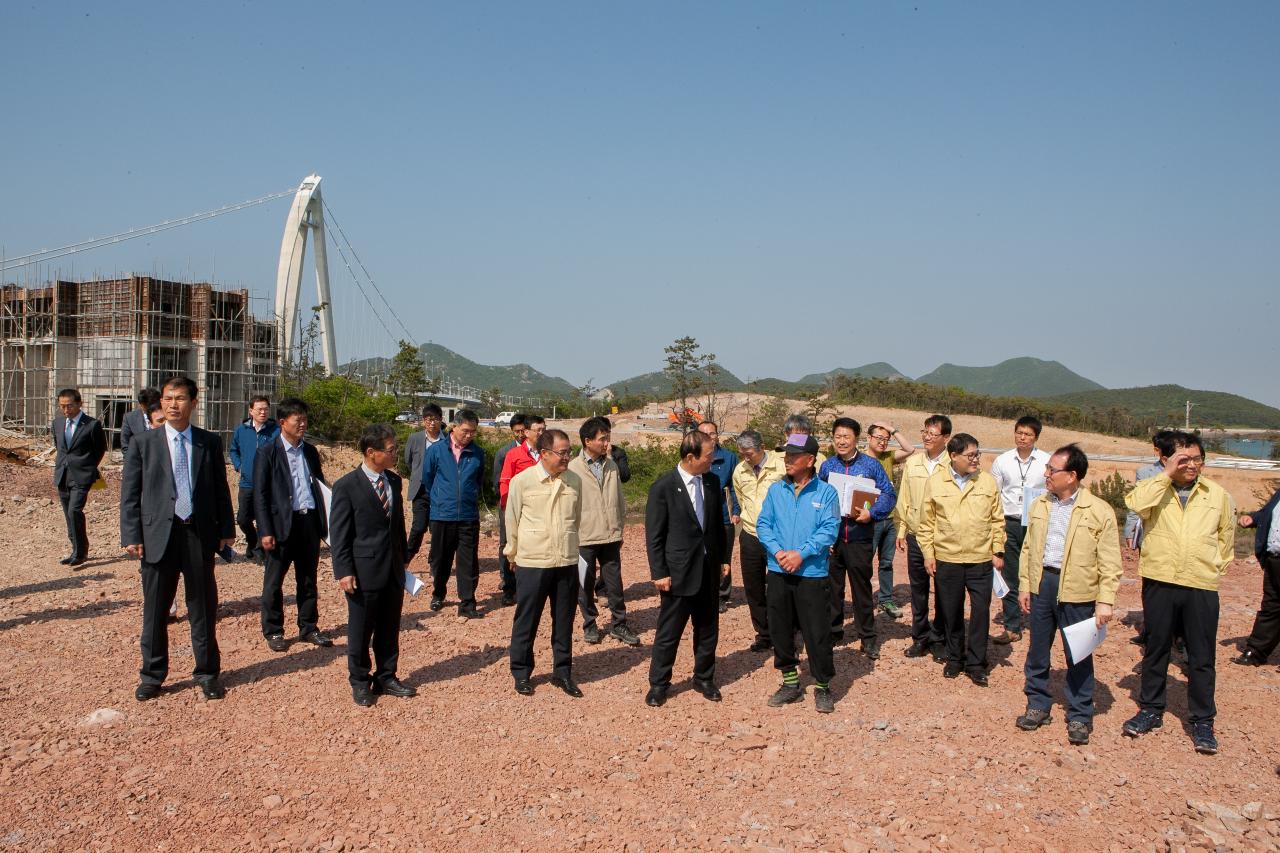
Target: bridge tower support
pixel 306 214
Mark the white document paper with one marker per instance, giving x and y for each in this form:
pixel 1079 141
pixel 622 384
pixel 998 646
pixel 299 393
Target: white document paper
pixel 1082 638
pixel 849 488
pixel 1029 494
pixel 326 496
pixel 998 587
pixel 412 584
pixel 582 573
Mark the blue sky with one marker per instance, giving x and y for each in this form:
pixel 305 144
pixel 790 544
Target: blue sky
pixel 799 186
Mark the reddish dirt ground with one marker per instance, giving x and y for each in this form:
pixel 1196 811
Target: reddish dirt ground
pixel 909 761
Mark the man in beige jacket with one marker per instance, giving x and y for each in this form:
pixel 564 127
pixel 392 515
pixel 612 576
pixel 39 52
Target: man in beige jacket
pixel 604 513
pixel 543 515
pixel 1068 571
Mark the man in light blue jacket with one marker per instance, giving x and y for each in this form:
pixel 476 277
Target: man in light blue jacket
pixel 797 527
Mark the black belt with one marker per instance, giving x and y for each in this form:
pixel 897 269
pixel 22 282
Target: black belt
pixel 1016 518
pixel 1053 570
pixel 186 521
pixel 302 511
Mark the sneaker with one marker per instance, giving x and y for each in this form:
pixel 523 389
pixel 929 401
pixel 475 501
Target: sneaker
pixel 1034 718
pixel 1078 732
pixel 724 605
pixel 999 620
pixel 785 695
pixel 1202 737
pixel 623 634
pixel 1143 722
pixel 591 634
pixel 888 608
pixel 1007 637
pixel 436 602
pixel 822 701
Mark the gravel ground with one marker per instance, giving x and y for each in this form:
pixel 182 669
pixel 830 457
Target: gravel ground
pixel 908 761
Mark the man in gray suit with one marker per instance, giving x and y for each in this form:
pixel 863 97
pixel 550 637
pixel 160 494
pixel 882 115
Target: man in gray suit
pixel 175 513
pixel 81 444
pixel 415 448
pixel 135 423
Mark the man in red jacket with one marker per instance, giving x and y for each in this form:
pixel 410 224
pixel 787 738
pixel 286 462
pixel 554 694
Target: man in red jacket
pixel 521 456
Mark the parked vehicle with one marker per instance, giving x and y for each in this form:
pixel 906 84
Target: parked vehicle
pixel 504 418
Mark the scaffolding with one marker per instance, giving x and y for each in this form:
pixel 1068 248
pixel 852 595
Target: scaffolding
pixel 111 337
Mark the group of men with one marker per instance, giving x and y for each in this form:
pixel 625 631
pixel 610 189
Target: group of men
pixel 1027 525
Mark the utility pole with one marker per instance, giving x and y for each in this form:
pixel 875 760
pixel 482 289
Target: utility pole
pixel 1188 420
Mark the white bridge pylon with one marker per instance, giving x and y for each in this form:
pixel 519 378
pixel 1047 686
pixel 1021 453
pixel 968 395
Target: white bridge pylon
pixel 306 214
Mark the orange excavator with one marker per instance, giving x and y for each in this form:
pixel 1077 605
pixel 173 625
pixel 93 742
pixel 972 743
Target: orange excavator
pixel 689 420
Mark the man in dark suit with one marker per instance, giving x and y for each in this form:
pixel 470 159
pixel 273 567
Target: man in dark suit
pixel 175 513
pixel 686 560
pixel 415 448
pixel 1265 636
pixel 81 444
pixel 137 421
pixel 367 541
pixel 289 510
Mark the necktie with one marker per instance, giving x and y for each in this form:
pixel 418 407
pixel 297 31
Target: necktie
pixel 381 489
pixel 697 501
pixel 71 430
pixel 181 480
pixel 756 468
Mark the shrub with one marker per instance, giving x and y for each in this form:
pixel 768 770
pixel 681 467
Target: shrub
pixel 1112 490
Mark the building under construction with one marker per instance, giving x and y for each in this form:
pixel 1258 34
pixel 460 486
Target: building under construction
pixel 109 338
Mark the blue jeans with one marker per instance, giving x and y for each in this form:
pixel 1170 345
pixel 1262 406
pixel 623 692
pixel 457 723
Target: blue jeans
pixel 883 543
pixel 1048 616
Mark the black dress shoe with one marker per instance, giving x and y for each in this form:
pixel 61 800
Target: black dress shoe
pixel 708 690
pixel 277 643
pixel 394 687
pixel 952 670
pixel 917 650
pixel 524 687
pixel 77 561
pixel 567 685
pixel 437 603
pixel 761 645
pixel 656 697
pixel 724 606
pixel 470 613
pixel 146 691
pixel 66 560
pixel 979 678
pixel 363 696
pixel 315 639
pixel 212 689
pixel 1249 658
pixel 508 599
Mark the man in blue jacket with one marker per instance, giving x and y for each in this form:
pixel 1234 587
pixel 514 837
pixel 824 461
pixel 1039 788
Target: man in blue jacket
pixel 797 526
pixel 257 430
pixel 722 465
pixel 453 475
pixel 1265 635
pixel 855 544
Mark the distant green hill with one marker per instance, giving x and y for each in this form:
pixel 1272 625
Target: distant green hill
pixel 1017 377
pixel 658 384
pixel 514 379
pixel 1166 405
pixel 875 370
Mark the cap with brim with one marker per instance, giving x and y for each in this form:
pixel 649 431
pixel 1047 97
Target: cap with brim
pixel 799 443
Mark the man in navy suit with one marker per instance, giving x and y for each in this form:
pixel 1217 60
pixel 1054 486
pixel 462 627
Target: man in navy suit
pixel 1265 635
pixel 366 536
pixel 175 513
pixel 80 443
pixel 685 538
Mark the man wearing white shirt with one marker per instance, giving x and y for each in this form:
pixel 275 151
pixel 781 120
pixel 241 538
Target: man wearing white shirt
pixel 1017 471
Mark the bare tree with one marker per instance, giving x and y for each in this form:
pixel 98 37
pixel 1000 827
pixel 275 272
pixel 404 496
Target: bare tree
pixel 687 369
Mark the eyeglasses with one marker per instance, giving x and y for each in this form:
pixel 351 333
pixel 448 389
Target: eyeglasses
pixel 1193 460
pixel 563 454
pixel 974 456
pixel 877 437
pixel 1049 471
pixel 924 433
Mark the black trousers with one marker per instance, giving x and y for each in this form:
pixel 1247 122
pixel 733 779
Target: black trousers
pixel 302 551
pixel 755 565
pixel 1014 533
pixel 421 504
pixel 1170 609
pixel 73 500
pixel 1265 635
pixel 922 629
pixel 505 575
pixel 373 616
pixel 450 540
pixel 533 588
pixel 608 557
pixel 806 602
pixel 244 518
pixel 185 556
pixel 726 582
pixel 676 611
pixel 852 559
pixel 953 581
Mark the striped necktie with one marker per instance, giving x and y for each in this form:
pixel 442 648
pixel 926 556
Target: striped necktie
pixel 381 489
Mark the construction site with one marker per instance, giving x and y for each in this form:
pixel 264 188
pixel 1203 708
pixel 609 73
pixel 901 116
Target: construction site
pixel 111 337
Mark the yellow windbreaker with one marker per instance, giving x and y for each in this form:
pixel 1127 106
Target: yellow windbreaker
pixel 1091 565
pixel 960 525
pixel 906 513
pixel 751 487
pixel 1188 546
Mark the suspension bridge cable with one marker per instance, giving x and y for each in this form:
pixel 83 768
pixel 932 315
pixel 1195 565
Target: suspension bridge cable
pixel 359 286
pixel 84 245
pixel 329 216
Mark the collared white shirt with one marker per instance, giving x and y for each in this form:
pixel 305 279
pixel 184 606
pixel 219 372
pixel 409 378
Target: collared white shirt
pixel 1013 475
pixel 960 480
pixel 300 475
pixel 693 486
pixel 374 477
pixel 533 452
pixel 1273 535
pixel 931 462
pixel 171 435
pixel 430 440
pixel 1055 538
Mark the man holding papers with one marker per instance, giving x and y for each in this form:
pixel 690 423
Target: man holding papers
pixel 1069 571
pixel 961 536
pixel 1189 525
pixel 866 497
pixel 367 540
pixel 1020 475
